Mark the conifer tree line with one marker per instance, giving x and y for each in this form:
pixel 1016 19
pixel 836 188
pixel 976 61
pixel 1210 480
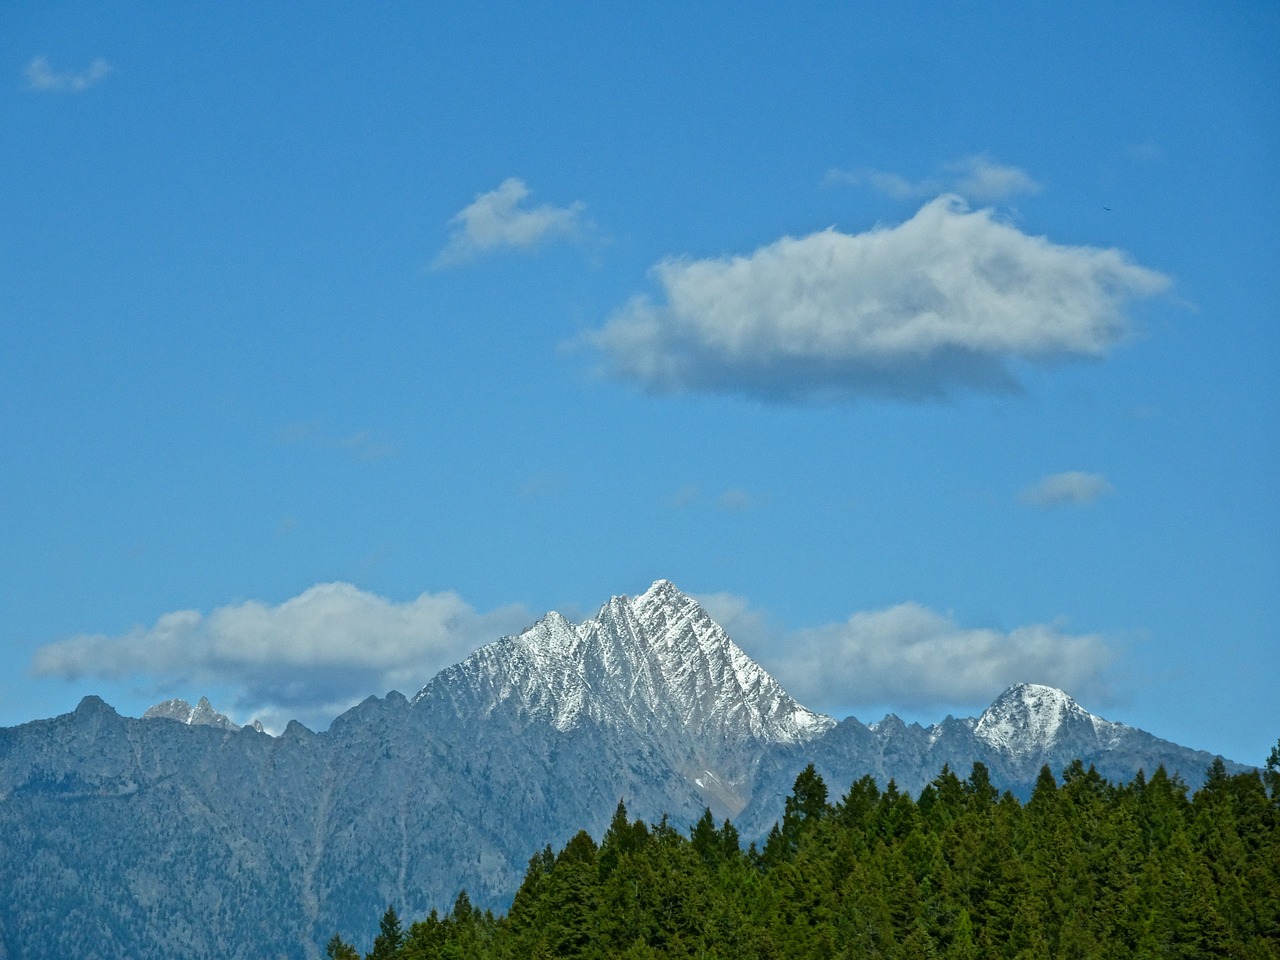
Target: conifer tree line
pixel 1084 868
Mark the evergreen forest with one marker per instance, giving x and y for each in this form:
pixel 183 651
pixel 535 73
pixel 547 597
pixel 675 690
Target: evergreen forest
pixel 1084 868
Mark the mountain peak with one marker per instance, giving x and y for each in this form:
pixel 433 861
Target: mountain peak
pixel 682 670
pixel 662 591
pixel 656 666
pixel 1032 715
pixel 93 706
pixel 201 715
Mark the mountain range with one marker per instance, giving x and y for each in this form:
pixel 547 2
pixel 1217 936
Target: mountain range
pixel 181 833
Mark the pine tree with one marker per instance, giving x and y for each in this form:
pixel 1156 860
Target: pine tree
pixel 1272 774
pixel 808 800
pixel 705 838
pixel 857 805
pixel 389 939
pixel 1087 869
pixel 339 949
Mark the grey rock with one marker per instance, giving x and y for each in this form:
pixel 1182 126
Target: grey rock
pixel 183 712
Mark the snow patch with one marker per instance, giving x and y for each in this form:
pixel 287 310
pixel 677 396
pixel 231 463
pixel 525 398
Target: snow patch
pixel 1028 716
pixel 657 663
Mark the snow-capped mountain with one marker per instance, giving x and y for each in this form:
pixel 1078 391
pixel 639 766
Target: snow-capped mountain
pixel 1030 718
pixel 657 663
pixel 210 840
pixel 655 669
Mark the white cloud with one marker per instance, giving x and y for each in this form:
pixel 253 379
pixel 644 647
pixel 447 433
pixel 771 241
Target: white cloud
pixel 498 219
pixel 980 179
pixel 308 657
pixel 686 496
pixel 1071 487
pixel 1146 152
pixel 890 184
pixel 949 299
pixel 975 178
pixel 316 654
pixel 41 76
pixel 913 658
pixel 735 500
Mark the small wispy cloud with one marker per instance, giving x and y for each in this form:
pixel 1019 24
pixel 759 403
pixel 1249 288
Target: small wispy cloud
pixel 41 76
pixel 735 500
pixel 984 181
pixel 686 496
pixel 729 500
pixel 1148 151
pixel 500 219
pixel 362 445
pixel 976 178
pixel 1073 487
pixel 890 184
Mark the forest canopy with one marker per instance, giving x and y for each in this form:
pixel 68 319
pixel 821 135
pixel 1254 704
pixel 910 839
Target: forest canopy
pixel 1085 868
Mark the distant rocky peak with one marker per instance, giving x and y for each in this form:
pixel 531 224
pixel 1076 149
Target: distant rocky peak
pixel 657 663
pixel 1030 715
pixel 551 637
pixel 664 602
pixel 202 714
pixel 662 654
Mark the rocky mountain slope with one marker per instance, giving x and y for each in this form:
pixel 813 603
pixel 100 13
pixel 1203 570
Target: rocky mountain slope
pixel 180 834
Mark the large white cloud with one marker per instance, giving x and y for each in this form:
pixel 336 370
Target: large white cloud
pixel 913 658
pixel 952 298
pixel 308 657
pixel 500 219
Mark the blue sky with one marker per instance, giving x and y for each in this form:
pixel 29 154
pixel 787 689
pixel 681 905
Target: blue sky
pixel 934 350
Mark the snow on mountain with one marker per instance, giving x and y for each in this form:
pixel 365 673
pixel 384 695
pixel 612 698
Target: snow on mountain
pixel 656 668
pixel 1032 718
pixel 202 714
pixel 654 663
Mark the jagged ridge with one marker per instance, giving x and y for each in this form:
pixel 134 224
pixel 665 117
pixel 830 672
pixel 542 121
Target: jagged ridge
pixel 524 743
pixel 656 669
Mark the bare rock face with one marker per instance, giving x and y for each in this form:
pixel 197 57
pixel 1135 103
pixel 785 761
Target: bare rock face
pixel 152 838
pixel 202 713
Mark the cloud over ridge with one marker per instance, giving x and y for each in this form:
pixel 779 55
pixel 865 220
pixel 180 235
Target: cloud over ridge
pixel 947 300
pixel 908 654
pixel 309 657
pixel 318 653
pixel 915 658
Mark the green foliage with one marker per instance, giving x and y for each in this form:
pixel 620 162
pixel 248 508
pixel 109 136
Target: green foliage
pixel 1085 868
pixel 1272 774
pixel 339 949
pixel 390 938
